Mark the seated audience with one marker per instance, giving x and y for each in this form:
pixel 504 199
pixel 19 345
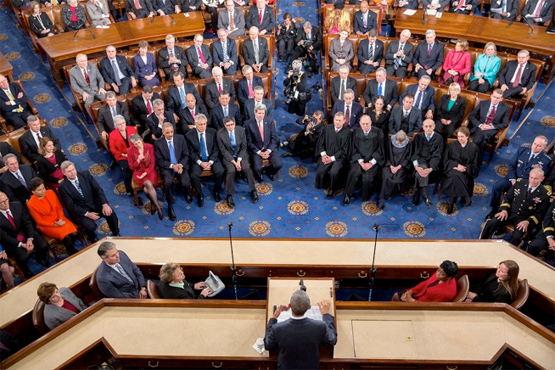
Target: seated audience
pixel 117 72
pixel 501 287
pixel 381 86
pixel 379 115
pixel 504 9
pixel 156 120
pixel 119 144
pixel 187 115
pixel 217 86
pixel 340 84
pixel 485 70
pixel 142 106
pixel 456 64
pixel 225 109
pixel 488 118
pixel 172 58
pixel 60 305
pixel 256 52
pixel 261 16
pixel 258 99
pixel 49 163
pixel 246 85
pixel 341 52
pixel 6 149
pixel 73 16
pixel 13 103
pixel 304 143
pixel 405 117
pixel 370 53
pixel 397 171
pixel 461 163
pixel 117 276
pixel 543 245
pixel 437 5
pixel 199 57
pixel 145 66
pixel 518 76
pixel 45 208
pixel 7 271
pixel 39 22
pixel 51 3
pixel 98 13
pixel 177 97
pixel 232 19
pixel 309 41
pixel 539 11
pixel 408 4
pixel 462 6
pixel 365 20
pixel 211 6
pixel 426 158
pixel 30 140
pixel 108 112
pixel 351 109
pixel 86 80
pixel 424 96
pixel 285 37
pixel 441 287
pixel 137 9
pixel 338 20
pixel 173 284
pixel 399 55
pixel 224 51
pixel 15 182
pixel 449 112
pixel 428 56
pixel 165 7
pixel 85 201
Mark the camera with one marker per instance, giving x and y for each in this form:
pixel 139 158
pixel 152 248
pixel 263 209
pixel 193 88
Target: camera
pixel 309 119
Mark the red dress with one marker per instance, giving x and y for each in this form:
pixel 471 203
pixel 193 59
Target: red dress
pixel 460 62
pixel 48 210
pixel 430 291
pixel 118 146
pixel 145 165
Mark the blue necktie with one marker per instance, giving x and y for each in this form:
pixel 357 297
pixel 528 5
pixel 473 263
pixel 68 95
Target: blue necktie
pixel 419 99
pixel 79 189
pixel 172 153
pixel 114 112
pixel 380 89
pixel 116 73
pixel 225 112
pixel 203 153
pixel 21 180
pixel 232 139
pixel 182 94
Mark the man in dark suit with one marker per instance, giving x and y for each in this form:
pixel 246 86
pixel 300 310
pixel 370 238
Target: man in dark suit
pixel 19 237
pixel 540 11
pixel 350 108
pixel 365 20
pixel 426 158
pixel 399 55
pixel 370 53
pixel 30 140
pixel 309 40
pixel 172 58
pixel 488 118
pixel 85 201
pixel 367 157
pixel 177 94
pixel 434 5
pixel 518 76
pixel 256 101
pixel 333 150
pixel 6 149
pixel 299 338
pixel 408 4
pixel 107 112
pixel 304 143
pixel 232 142
pixel 263 143
pixel 156 120
pixel 190 5
pixel 524 206
pixel 462 6
pixel 428 56
pixel 424 96
pixel 141 106
pixel 256 52
pixel 143 10
pixel 225 109
pixel 218 85
pixel 200 58
pixel 246 85
pixel 232 20
pixel 117 72
pixel 405 117
pixel 15 182
pixel 13 103
pixel 164 7
pixel 187 116
pixel 381 86
pixel 204 155
pixel 172 159
pixel 520 166
pixel 504 9
pixel 342 83
pixel 117 276
pixel 226 59
pixel 262 17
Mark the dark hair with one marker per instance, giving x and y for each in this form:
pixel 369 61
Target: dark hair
pixel 228 119
pixel 300 302
pixel 287 16
pixel 104 248
pixel 339 5
pixel 147 89
pixel 35 183
pixel 45 291
pixel 450 268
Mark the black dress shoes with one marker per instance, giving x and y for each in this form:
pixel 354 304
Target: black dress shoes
pixel 230 201
pixel 381 203
pixel 329 195
pixel 416 198
pixel 44 262
pixel 254 196
pixel 188 198
pixel 152 208
pixel 450 206
pixel 258 178
pixel 200 201
pixel 346 200
pixel 171 213
pixel 467 201
pixel 428 201
pixel 217 197
pixel 271 177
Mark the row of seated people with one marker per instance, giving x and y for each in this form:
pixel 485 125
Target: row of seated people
pixel 15 105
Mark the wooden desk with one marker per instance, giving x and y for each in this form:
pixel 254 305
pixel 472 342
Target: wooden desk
pixel 6 68
pixel 484 30
pixel 61 49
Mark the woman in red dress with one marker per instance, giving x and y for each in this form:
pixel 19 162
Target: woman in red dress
pixel 141 161
pixel 119 143
pixel 49 163
pixel 46 210
pixel 457 64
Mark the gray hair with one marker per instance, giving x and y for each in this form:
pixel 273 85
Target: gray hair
pixel 135 138
pixel 300 302
pixel 118 118
pixel 157 102
pixel 201 117
pixel 8 156
pixel 66 164
pixel 430 32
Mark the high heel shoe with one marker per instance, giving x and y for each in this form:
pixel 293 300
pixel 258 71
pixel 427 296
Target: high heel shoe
pixel 160 213
pixel 153 208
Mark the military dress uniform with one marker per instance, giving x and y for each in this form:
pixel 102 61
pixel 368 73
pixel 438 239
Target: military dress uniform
pixel 548 231
pixel 521 205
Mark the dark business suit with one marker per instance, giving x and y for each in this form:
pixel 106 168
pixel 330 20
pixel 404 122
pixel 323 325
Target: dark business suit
pixel 268 20
pixel 46 168
pixel 455 115
pixel 389 92
pixel 143 12
pixel 263 53
pixel 371 22
pixel 546 12
pixel 462 9
pixel 334 145
pixel 105 120
pixel 230 153
pixel 17 119
pixel 411 4
pixel 363 55
pixel 298 340
pixel 411 126
pixel 153 124
pixel 257 143
pixel 113 285
pixel 164 57
pixel 163 162
pixel 480 115
pixel 139 109
pixel 427 101
pixel 212 93
pixel 249 109
pixel 6 148
pixel 390 53
pixel 167 6
pixel 510 6
pixel 213 155
pixel 194 61
pixel 15 189
pixel 356 112
pixel 170 292
pixel 36 26
pixel 433 61
pixel 217 117
pixel 186 118
pixel 350 83
pixel 143 69
pixel 107 72
pixel 29 147
pixel 218 54
pixel 527 78
pixel 243 89
pixel 187 4
pixel 23 226
pixel 91 201
pixel 174 97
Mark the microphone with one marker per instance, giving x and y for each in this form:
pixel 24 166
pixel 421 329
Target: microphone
pixel 75 39
pixel 424 16
pixel 303 287
pixel 173 20
pixel 230 225
pixel 91 32
pixel 531 29
pixel 152 19
pixel 510 23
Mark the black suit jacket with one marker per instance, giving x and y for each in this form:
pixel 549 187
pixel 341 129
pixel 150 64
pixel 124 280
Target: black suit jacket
pixel 174 98
pixel 455 114
pixel 255 142
pixel 389 92
pixel 186 5
pixel 315 37
pixel 268 19
pixel 363 56
pixel 186 119
pixel 93 196
pixel 480 115
pixel 243 88
pixel 36 27
pixel 46 168
pixel 263 52
pixel 249 109
pixel 29 146
pixel 212 93
pixel 371 22
pixel 217 118
pixel 218 52
pixel 527 76
pixel 434 61
pixel 7 109
pixel 336 87
pixel 415 120
pixel 167 6
pixel 193 143
pixel 224 144
pixel 139 110
pixel 13 188
pixel 6 148
pixel 105 121
pixel 356 112
pixel 153 126
pixel 107 71
pixel 113 285
pixel 546 12
pixel 23 225
pixel 164 57
pixel 162 152
pixel 193 58
pixel 392 49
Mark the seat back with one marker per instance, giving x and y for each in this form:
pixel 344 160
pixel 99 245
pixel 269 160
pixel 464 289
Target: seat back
pixel 38 317
pixel 152 289
pixel 94 286
pixel 521 295
pixel 463 285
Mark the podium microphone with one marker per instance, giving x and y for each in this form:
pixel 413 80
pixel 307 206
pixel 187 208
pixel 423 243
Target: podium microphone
pixel 75 39
pixel 303 287
pixel 529 26
pixel 424 16
pixel 91 32
pixel 232 267
pixel 152 19
pixel 373 268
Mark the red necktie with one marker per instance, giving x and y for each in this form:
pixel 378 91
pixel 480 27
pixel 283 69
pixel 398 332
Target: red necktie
pixel 87 77
pixel 261 129
pixel 231 25
pixel 174 66
pixel 260 16
pixel 192 113
pixel 137 5
pixel 20 237
pixel 491 114
pixel 148 107
pixel 251 91
pixel 539 9
pixel 201 56
pixel 461 3
pixel 336 130
pixel 38 135
pixel 347 116
pixel 517 77
pixel 219 88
